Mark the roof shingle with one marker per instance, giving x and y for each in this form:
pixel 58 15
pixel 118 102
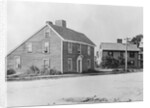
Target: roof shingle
pixel 71 35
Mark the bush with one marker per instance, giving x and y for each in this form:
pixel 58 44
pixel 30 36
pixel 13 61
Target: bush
pixel 33 70
pixel 11 71
pixel 91 71
pixel 109 62
pixel 54 72
pixel 46 71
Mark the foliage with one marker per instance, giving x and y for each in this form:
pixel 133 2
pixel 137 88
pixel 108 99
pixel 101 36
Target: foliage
pixel 91 71
pixel 109 62
pixel 136 40
pixel 121 60
pixel 11 71
pixel 46 71
pixel 33 70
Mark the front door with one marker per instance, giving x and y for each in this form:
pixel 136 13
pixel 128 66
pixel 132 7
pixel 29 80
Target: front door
pixel 79 64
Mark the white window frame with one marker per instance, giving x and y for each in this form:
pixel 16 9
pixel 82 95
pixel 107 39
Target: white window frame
pixel 89 50
pixel 45 34
pixel 71 66
pixel 29 47
pixel 89 63
pixel 69 47
pixel 48 62
pixel 17 64
pixel 46 47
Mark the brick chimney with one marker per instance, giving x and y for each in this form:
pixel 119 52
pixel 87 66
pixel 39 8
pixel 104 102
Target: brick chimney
pixel 49 22
pixel 61 23
pixel 119 40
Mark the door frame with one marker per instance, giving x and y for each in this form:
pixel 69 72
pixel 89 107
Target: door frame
pixel 81 68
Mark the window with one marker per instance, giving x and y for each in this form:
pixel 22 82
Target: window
pixel 46 47
pixel 17 62
pixel 69 47
pixel 131 62
pixel 79 49
pixel 132 54
pixel 69 64
pixel 47 34
pixel 89 63
pixel 29 47
pixel 46 63
pixel 110 53
pixel 89 50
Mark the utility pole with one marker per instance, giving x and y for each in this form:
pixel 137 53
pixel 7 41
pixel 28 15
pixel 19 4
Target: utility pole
pixel 126 55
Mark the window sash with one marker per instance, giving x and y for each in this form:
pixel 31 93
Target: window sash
pixel 69 64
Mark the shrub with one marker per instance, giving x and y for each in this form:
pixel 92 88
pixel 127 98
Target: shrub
pixel 54 72
pixel 33 70
pixel 91 71
pixel 11 71
pixel 109 62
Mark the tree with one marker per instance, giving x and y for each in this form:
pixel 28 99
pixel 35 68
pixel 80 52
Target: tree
pixel 137 39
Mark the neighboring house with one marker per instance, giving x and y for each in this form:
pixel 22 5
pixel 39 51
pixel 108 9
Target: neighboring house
pixel 141 54
pixel 117 50
pixel 54 47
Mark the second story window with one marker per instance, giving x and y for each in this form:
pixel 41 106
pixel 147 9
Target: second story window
pixel 89 50
pixel 69 47
pixel 29 47
pixel 79 49
pixel 46 47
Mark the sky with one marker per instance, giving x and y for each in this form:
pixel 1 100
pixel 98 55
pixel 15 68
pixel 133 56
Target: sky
pixel 100 23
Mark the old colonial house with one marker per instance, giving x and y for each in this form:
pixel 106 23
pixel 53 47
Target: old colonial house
pixel 54 46
pixel 117 50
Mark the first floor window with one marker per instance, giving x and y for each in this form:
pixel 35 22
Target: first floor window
pixel 89 63
pixel 131 62
pixel 46 63
pixel 69 64
pixel 17 62
pixel 46 47
pixel 110 53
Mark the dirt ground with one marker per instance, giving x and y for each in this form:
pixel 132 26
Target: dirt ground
pixel 90 89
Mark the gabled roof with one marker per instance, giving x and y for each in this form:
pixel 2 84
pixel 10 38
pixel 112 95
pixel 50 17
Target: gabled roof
pixel 118 47
pixel 71 35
